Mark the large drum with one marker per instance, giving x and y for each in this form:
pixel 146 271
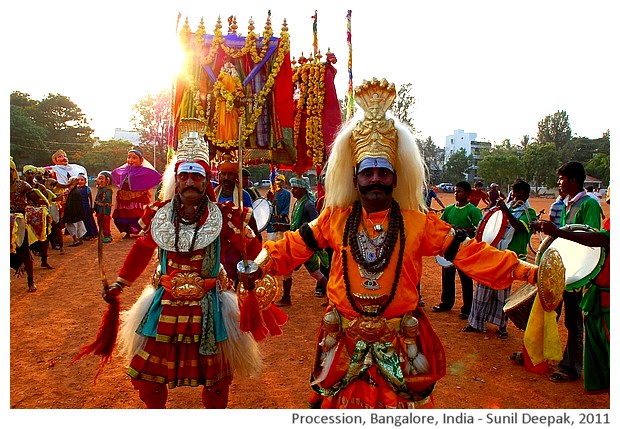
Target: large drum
pixel 492 227
pixel 17 230
pixel 549 287
pixel 519 304
pixel 262 212
pixel 582 263
pixel 38 223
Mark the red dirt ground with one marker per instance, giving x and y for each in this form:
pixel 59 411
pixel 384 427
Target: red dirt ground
pixel 48 327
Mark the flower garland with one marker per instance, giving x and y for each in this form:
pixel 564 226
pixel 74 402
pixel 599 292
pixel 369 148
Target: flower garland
pixel 311 79
pixel 221 93
pixel 218 42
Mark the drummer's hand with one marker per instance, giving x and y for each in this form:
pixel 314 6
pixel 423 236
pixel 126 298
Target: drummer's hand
pixel 502 204
pixel 545 226
pixel 270 195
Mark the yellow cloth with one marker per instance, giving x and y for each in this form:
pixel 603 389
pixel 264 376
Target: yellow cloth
pixel 541 338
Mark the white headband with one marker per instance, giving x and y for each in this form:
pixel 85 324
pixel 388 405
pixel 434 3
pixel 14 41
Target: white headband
pixel 192 167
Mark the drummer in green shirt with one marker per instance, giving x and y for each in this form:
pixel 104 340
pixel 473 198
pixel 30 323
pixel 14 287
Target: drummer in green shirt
pixel 467 216
pixel 488 303
pixel 579 208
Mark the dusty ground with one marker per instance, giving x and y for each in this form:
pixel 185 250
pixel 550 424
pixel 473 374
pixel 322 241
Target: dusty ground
pixel 48 327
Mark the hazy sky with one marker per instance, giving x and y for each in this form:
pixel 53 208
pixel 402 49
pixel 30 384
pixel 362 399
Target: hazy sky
pixel 493 68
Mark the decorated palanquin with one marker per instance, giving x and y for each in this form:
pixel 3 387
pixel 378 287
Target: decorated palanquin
pixel 248 92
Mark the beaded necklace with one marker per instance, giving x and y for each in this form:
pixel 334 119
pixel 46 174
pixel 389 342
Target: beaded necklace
pixel 178 220
pixel 396 227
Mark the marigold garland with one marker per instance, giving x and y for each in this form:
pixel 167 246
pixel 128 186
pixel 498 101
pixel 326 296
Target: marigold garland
pixel 311 80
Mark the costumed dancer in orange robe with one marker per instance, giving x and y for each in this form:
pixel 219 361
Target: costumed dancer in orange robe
pixel 184 330
pixel 375 347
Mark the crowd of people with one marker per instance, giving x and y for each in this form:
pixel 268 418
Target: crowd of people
pixel 363 242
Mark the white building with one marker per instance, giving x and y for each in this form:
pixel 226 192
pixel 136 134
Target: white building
pixel 467 141
pixel 130 136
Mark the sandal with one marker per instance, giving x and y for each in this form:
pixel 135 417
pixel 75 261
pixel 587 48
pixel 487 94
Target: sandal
pixel 470 328
pixel 560 377
pixel 517 357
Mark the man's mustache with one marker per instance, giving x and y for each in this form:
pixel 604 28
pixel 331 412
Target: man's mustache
pixel 376 187
pixel 191 188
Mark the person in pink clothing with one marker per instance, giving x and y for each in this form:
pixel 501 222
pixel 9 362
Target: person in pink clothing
pixel 134 179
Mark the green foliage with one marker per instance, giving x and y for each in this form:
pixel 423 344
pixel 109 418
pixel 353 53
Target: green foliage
pixel 39 128
pixel 63 120
pixel 555 129
pixel 152 118
pixel 107 155
pixel 458 165
pixel 27 138
pixel 431 155
pixel 402 107
pixel 541 161
pixel 600 167
pixel 501 167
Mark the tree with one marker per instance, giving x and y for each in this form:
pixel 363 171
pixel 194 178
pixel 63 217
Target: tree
pixel 583 149
pixel 555 129
pixel 27 139
pixel 402 107
pixel 541 161
pixel 458 165
pixel 107 155
pixel 63 120
pixel 501 167
pixel 599 167
pixel 431 155
pixel 152 119
pixel 39 128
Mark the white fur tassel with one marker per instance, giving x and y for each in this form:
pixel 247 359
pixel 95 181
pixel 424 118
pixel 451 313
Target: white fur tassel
pixel 327 359
pixel 129 342
pixel 241 349
pixel 418 364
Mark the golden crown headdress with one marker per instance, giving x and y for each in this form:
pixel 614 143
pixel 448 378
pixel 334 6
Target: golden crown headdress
pixel 192 145
pixel 376 135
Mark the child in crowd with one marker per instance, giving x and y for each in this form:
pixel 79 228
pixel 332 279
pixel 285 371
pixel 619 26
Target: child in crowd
pixel 74 213
pixel 103 204
pixel 87 202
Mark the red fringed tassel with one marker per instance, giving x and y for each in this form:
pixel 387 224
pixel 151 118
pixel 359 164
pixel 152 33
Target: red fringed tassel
pixel 274 318
pixel 250 319
pixel 103 345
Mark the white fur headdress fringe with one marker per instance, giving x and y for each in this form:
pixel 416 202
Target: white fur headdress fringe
pixel 241 349
pixel 129 342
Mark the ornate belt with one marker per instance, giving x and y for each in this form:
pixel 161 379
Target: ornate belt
pixel 187 285
pixel 371 329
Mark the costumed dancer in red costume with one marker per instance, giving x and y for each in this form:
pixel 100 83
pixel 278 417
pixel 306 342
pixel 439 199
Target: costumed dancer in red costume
pixel 134 179
pixel 376 347
pixel 184 330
